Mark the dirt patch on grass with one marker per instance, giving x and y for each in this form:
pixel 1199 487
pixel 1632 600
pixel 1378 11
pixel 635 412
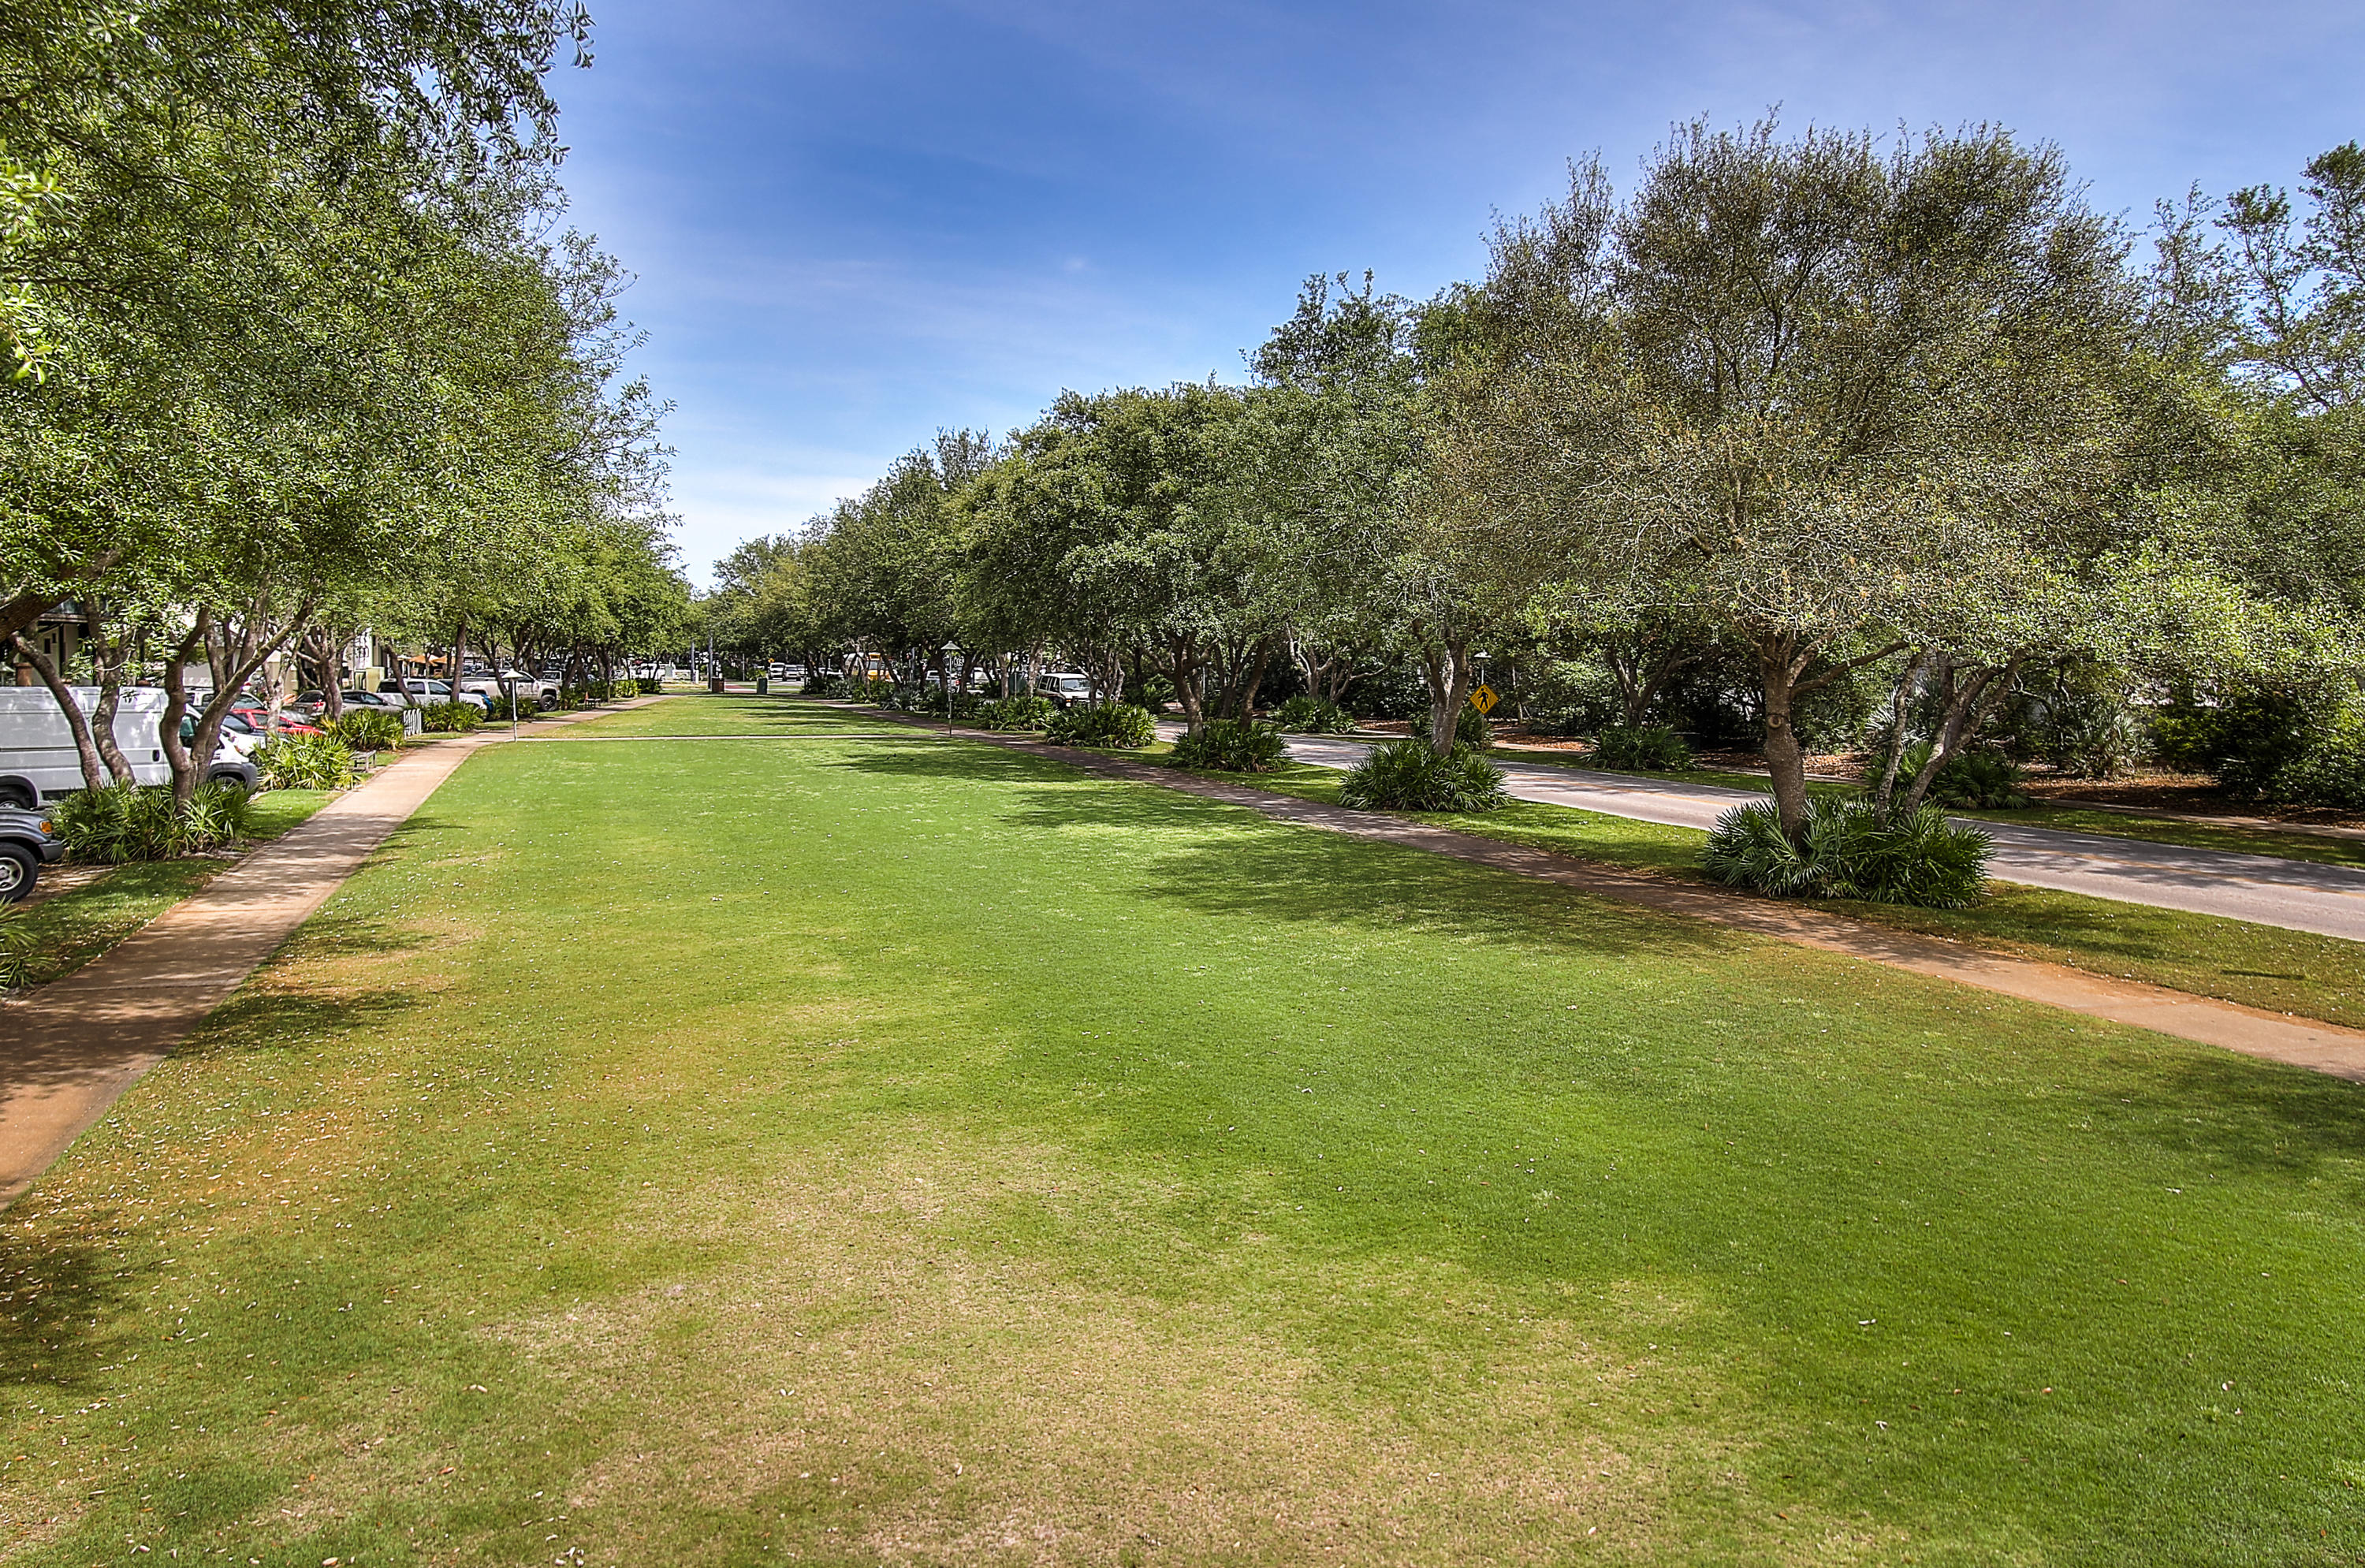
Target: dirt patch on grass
pixel 896 1378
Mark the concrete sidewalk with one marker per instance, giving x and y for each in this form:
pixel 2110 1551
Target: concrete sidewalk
pixel 71 1049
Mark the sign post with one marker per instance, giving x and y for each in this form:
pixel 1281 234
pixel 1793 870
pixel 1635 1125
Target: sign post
pixel 1484 699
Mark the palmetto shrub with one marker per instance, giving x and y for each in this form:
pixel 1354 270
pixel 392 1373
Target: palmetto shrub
pixel 303 762
pixel 17 946
pixel 1852 849
pixel 1406 776
pixel 448 717
pixel 1232 746
pixel 1652 747
pixel 368 729
pixel 1980 780
pixel 216 815
pixel 1307 714
pixel 1119 725
pixel 125 823
pixel 1025 712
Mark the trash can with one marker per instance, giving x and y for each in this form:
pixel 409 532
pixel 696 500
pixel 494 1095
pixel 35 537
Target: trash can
pixel 714 683
pixel 763 685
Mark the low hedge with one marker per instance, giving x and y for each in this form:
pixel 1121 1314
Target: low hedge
pixel 1653 747
pixel 1408 775
pixel 1027 712
pixel 1852 849
pixel 303 762
pixel 125 823
pixel 1232 746
pixel 1120 725
pixel 450 718
pixel 17 946
pixel 1307 714
pixel 368 729
pixel 1980 780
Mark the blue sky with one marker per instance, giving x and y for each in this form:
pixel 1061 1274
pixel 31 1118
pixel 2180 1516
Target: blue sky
pixel 854 224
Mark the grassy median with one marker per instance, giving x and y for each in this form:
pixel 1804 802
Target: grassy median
pixel 852 1151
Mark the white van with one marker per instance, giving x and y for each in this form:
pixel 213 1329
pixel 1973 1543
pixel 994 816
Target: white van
pixel 38 761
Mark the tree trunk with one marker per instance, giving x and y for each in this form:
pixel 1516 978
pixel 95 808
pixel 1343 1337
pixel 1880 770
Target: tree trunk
pixel 1446 663
pixel 1907 684
pixel 321 649
pixel 1255 678
pixel 95 774
pixel 20 613
pixel 1183 669
pixel 177 705
pixel 234 651
pixel 1778 663
pixel 106 656
pixel 1968 707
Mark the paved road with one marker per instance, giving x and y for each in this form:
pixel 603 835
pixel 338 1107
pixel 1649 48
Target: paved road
pixel 2298 895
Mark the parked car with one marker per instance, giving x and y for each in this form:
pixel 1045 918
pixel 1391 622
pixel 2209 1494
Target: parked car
pixel 27 842
pixel 369 700
pixel 37 760
pixel 1065 688
pixel 263 720
pixel 490 686
pixel 416 693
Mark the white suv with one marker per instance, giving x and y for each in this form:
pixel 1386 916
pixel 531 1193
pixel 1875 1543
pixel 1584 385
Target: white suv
pixel 1065 688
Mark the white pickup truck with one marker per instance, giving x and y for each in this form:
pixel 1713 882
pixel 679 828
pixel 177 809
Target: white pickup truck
pixel 490 686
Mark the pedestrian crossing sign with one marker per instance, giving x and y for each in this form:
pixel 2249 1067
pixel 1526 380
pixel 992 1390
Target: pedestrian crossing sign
pixel 1484 699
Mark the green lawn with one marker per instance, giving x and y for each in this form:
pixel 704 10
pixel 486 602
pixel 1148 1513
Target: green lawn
pixel 70 928
pixel 2234 960
pixel 848 1150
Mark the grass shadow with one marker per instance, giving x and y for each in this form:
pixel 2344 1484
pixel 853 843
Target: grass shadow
pixel 2247 1116
pixel 255 1021
pixel 1285 872
pixel 62 1300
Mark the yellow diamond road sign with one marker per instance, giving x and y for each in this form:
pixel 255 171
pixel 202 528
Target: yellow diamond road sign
pixel 1484 699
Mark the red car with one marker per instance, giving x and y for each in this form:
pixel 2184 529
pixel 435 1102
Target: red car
pixel 258 719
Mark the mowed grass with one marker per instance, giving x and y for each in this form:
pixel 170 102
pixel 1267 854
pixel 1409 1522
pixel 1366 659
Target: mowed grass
pixel 909 1151
pixel 2234 960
